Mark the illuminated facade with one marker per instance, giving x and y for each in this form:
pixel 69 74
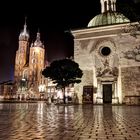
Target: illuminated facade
pixel 109 58
pixel 28 78
pixel 6 90
pixel 29 63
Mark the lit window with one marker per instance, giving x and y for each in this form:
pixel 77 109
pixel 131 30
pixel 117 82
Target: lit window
pixel 33 61
pixel 33 53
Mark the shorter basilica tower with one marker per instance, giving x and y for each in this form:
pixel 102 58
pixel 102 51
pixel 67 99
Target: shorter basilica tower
pixel 36 64
pixel 29 64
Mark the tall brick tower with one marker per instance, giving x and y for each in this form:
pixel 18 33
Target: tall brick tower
pixel 21 55
pixel 29 63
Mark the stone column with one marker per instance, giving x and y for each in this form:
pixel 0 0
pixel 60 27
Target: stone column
pixel 116 89
pixel 99 94
pixel 115 96
pixel 119 86
pixel 94 85
pixel 80 94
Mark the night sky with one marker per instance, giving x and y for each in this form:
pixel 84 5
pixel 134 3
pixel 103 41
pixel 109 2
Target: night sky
pixel 54 19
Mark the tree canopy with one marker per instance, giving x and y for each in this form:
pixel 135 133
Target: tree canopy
pixel 63 72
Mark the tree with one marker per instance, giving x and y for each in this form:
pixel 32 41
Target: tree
pixel 63 73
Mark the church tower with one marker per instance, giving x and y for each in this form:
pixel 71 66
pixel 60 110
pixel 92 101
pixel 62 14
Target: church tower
pixel 36 62
pixel 21 54
pixel 29 63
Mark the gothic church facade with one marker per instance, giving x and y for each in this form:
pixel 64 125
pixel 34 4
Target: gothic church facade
pixel 29 62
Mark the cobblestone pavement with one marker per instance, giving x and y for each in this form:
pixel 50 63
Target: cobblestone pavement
pixel 39 121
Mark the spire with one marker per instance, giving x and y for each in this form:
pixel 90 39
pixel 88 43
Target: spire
pixel 38 35
pixel 108 5
pixel 24 35
pixel 38 42
pixel 25 26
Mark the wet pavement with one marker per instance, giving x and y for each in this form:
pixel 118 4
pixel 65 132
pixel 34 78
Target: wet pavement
pixel 39 121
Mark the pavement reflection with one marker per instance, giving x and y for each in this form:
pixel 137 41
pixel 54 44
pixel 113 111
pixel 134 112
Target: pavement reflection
pixel 30 121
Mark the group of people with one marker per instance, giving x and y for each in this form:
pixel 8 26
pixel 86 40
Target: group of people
pixel 57 100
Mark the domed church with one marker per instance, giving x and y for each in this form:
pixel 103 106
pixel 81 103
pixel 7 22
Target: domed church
pixel 108 52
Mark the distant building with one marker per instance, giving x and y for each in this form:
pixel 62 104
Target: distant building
pixel 29 63
pixel 7 90
pixel 108 52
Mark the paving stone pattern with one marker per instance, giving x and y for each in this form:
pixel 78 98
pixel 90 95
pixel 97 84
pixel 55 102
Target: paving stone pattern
pixel 39 121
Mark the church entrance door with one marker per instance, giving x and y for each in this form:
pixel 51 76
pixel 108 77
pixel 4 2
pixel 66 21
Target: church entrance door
pixel 107 93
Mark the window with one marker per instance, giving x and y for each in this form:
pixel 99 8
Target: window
pixel 33 53
pixel 105 51
pixel 25 73
pixel 33 61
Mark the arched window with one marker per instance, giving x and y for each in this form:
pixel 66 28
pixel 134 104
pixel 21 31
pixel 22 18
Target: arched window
pixel 33 53
pixel 33 61
pixel 25 74
pixel 114 7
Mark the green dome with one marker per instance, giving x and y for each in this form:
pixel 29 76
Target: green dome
pixel 108 18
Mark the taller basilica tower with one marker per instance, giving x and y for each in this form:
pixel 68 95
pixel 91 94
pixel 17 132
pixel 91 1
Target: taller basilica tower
pixel 29 63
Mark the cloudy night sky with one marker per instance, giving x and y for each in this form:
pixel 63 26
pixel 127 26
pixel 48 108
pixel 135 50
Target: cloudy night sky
pixel 53 19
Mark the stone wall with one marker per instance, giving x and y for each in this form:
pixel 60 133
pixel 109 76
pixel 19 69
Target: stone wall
pixel 124 55
pixel 131 84
pixel 87 79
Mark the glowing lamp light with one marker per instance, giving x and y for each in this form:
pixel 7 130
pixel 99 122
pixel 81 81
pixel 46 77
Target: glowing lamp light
pixel 42 88
pixel 60 94
pixel 23 79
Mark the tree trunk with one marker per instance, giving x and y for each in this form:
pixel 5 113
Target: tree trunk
pixel 64 97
